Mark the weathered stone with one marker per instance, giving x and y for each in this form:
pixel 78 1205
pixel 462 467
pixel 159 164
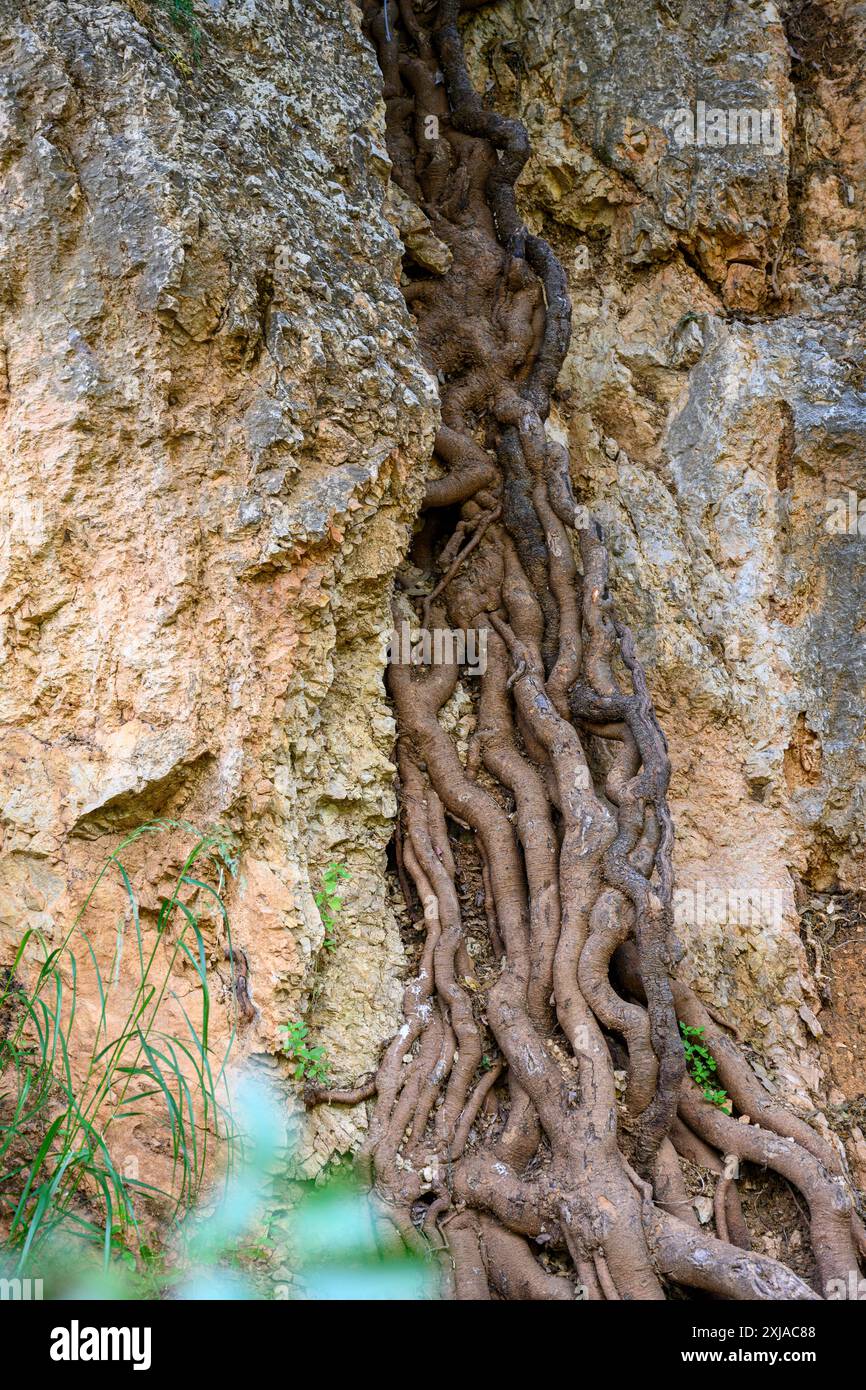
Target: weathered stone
pixel 214 431
pixel 415 232
pixel 214 427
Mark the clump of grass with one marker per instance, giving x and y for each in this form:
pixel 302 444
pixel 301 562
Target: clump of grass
pixel 701 1066
pixel 244 1244
pixel 63 1109
pixel 182 16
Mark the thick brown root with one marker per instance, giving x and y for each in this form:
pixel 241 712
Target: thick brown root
pixel 498 1130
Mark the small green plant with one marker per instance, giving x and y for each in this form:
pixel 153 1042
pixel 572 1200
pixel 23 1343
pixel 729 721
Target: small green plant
pixel 310 1063
pixel 329 902
pixel 71 1085
pixel 701 1066
pixel 182 15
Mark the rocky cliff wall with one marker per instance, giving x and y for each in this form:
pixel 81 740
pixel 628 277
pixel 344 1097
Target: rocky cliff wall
pixel 214 427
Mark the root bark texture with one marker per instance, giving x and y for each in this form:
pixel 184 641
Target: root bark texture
pixel 502 1139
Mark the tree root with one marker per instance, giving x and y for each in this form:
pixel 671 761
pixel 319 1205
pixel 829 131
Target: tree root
pixel 564 797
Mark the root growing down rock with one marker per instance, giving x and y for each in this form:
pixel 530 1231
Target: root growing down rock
pixel 497 1137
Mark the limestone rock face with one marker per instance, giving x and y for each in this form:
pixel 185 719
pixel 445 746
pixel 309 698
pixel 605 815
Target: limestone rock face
pixel 214 427
pixel 714 404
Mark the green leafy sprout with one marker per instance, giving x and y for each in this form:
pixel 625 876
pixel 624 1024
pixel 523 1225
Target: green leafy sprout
pixel 310 1063
pixel 701 1066
pixel 329 902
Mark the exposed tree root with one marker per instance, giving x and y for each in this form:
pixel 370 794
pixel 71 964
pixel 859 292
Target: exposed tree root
pixel 497 1134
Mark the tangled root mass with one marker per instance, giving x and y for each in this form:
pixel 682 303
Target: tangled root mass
pixel 498 1137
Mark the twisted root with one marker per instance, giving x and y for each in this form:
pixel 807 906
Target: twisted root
pixel 497 1131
